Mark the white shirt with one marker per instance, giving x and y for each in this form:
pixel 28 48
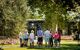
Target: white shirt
pixel 31 36
pixel 47 33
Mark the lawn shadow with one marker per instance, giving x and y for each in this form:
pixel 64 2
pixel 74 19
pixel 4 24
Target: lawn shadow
pixel 1 49
pixel 63 47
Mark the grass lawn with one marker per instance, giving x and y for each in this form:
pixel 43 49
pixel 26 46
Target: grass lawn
pixel 65 45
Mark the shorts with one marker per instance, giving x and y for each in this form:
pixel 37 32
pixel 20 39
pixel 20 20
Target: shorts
pixel 26 39
pixel 56 41
pixel 40 39
pixel 46 39
pixel 59 40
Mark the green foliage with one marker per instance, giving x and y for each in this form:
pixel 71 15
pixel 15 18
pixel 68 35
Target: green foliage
pixel 14 13
pixel 13 16
pixel 53 12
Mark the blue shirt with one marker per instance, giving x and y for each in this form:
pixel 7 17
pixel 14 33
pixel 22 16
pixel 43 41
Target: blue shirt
pixel 21 35
pixel 26 35
pixel 39 33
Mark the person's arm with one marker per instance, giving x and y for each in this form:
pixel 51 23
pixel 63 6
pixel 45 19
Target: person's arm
pixel 42 33
pixel 53 35
pixel 37 33
pixel 20 34
pixel 29 35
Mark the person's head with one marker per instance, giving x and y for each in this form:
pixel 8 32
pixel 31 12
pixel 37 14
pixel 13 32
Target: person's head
pixel 56 32
pixel 47 29
pixel 32 31
pixel 25 30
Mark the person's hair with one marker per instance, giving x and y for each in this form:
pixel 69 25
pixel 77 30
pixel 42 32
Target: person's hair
pixel 47 29
pixel 32 30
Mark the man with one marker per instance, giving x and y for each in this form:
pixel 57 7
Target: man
pixel 40 37
pixel 47 36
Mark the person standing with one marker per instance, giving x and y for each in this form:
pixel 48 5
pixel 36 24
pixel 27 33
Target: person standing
pixel 47 36
pixel 51 39
pixel 59 39
pixel 31 37
pixel 21 37
pixel 56 39
pixel 40 37
pixel 26 38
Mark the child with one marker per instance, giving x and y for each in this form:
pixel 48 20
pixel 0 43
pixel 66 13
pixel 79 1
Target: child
pixel 31 38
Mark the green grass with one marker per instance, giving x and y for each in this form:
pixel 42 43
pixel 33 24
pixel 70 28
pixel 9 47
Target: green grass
pixel 65 45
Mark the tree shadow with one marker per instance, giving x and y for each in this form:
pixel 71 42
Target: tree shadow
pixel 63 47
pixel 1 49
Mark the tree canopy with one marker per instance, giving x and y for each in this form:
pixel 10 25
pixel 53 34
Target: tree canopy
pixel 13 15
pixel 55 11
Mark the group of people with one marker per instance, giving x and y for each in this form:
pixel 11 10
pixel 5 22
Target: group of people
pixel 51 39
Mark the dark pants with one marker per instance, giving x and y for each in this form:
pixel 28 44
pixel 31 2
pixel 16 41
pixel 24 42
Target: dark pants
pixel 25 42
pixel 21 44
pixel 40 40
pixel 51 41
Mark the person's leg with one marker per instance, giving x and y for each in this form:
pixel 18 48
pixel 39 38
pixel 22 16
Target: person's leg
pixel 59 42
pixel 55 42
pixel 20 42
pixel 26 42
pixel 41 41
pixel 33 44
pixel 45 41
pixel 38 41
pixel 51 42
pixel 48 42
pixel 30 42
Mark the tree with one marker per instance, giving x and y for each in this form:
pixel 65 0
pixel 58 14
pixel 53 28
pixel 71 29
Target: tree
pixel 52 11
pixel 55 11
pixel 13 15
